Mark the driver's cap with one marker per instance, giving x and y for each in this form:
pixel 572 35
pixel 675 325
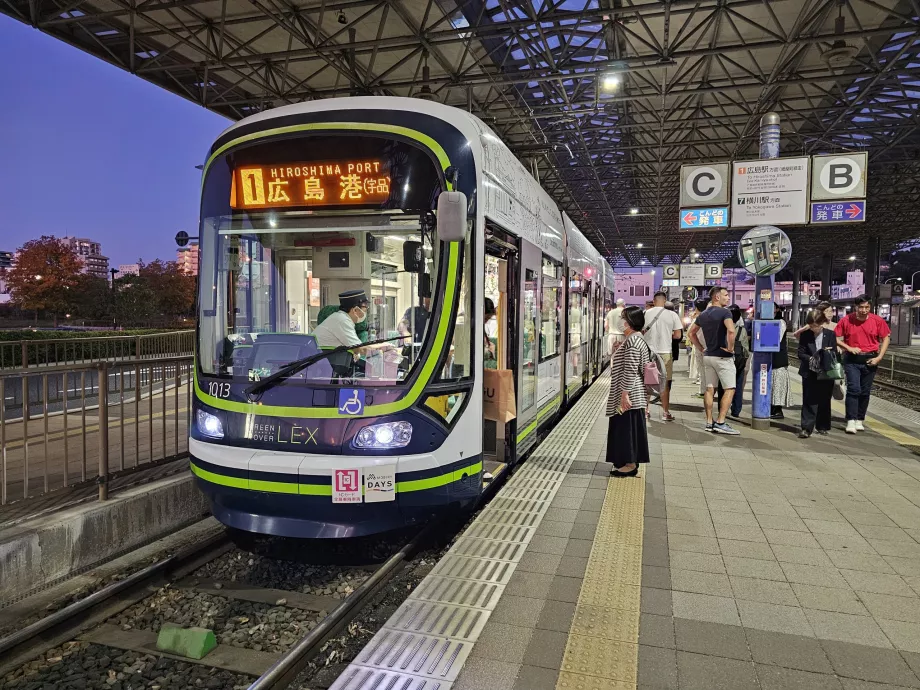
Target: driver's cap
pixel 350 299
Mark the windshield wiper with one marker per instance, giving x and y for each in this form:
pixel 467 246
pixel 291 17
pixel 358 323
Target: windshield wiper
pixel 289 370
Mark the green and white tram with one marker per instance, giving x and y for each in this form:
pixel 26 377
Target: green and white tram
pixel 348 248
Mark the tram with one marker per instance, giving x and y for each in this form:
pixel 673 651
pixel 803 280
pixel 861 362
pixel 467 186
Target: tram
pixel 407 224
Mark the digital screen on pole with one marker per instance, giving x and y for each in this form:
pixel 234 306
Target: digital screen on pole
pixel 326 183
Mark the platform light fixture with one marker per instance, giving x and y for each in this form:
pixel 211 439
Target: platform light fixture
pixel 852 258
pixel 611 81
pixel 634 211
pixel 639 245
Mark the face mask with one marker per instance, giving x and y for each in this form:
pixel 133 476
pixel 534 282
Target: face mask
pixel 363 315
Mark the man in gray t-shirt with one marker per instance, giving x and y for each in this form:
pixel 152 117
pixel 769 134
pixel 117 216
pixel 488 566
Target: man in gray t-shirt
pixel 718 356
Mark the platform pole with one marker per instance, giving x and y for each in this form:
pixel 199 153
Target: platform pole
pixel 762 369
pixel 796 296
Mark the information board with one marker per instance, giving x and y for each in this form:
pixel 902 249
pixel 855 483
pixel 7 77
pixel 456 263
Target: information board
pixel 773 192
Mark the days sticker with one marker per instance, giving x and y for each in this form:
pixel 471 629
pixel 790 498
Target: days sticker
pixel 380 484
pixel 346 486
pixel 763 379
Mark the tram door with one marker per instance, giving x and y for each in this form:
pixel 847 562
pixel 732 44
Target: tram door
pixel 499 341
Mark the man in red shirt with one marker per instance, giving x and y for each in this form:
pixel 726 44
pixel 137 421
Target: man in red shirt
pixel 864 338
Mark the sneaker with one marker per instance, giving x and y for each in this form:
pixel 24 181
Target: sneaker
pixel 708 426
pixel 823 432
pixel 859 425
pixel 851 426
pixel 724 428
pixel 804 434
pixel 667 417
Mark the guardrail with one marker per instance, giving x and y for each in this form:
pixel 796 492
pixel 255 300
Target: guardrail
pixel 64 425
pixel 19 354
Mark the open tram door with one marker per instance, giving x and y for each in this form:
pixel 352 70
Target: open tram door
pixel 500 342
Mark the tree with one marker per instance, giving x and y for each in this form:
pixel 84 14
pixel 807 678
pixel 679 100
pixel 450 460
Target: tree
pixel 91 299
pixel 46 272
pixel 174 290
pixel 160 292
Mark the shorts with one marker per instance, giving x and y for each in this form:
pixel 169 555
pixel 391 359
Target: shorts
pixel 718 370
pixel 668 360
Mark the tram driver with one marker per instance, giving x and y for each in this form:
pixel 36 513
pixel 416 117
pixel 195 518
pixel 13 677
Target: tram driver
pixel 339 327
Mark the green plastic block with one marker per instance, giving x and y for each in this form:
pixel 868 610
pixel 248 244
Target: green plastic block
pixel 192 643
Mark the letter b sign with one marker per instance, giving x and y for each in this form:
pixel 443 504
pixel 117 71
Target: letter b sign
pixel 838 177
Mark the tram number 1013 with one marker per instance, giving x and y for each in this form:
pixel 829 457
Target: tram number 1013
pixel 218 390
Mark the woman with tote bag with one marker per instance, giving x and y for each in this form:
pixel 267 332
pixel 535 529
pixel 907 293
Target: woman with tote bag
pixel 627 438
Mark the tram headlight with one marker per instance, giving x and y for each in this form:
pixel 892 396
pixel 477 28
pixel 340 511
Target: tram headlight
pixel 389 435
pixel 210 425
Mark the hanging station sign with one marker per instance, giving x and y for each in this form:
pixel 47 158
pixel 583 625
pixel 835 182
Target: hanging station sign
pixel 771 192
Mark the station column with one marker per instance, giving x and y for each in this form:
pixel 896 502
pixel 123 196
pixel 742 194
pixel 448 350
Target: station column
pixel 762 369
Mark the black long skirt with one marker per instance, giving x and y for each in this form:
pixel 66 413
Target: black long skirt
pixel 627 439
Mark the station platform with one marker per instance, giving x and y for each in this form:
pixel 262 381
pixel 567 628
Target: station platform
pixel 731 562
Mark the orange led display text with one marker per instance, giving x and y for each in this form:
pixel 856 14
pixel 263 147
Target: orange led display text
pixel 336 183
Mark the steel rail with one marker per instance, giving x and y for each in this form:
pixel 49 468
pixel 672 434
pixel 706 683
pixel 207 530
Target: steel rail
pixel 284 671
pixel 85 613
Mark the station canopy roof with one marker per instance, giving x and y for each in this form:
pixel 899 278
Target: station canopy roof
pixel 604 99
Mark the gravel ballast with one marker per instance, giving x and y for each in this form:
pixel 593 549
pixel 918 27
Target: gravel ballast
pixel 82 666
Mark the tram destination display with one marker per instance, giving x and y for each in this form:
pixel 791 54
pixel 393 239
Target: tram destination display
pixel 329 183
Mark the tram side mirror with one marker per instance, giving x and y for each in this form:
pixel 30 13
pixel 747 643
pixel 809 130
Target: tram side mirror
pixel 412 257
pixel 451 216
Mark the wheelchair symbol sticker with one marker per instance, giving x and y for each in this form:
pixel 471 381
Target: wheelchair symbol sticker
pixel 351 401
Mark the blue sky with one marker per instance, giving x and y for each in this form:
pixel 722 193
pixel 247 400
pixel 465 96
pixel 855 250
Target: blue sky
pixel 90 150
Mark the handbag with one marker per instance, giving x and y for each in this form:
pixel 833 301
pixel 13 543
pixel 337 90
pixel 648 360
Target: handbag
pixel 832 369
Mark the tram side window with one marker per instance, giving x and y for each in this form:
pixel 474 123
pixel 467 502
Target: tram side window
pixel 459 360
pixel 551 308
pixel 528 363
pixel 576 300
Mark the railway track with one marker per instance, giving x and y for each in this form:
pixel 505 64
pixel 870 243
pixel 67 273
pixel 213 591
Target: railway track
pixel 108 639
pixel 272 619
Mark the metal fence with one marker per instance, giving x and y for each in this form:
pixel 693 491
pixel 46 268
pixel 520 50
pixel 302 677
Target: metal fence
pixel 17 354
pixel 64 425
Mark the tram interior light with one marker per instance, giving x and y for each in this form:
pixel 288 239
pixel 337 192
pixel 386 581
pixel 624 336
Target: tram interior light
pixel 388 435
pixel 209 425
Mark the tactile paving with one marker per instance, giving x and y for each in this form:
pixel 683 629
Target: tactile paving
pixel 602 649
pixel 474 569
pixel 489 548
pixel 445 620
pixel 593 656
pixel 416 654
pixel 425 643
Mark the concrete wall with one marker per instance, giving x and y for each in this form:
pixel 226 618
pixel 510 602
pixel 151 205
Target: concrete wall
pixel 47 549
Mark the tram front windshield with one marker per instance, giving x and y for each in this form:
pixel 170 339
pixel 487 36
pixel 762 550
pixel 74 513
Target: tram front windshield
pixel 273 265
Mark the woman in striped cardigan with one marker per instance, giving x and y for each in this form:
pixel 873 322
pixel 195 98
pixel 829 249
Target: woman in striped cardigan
pixel 627 439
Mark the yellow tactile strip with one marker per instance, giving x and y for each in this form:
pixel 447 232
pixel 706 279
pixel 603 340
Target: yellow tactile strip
pixel 602 652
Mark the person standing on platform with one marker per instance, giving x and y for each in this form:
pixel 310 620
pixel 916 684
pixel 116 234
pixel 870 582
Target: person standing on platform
pixel 782 389
pixel 825 308
pixel 718 357
pixel 614 324
pixel 864 337
pixel 627 438
pixel 662 327
pixel 816 392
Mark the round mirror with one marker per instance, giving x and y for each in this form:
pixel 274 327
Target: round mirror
pixel 764 250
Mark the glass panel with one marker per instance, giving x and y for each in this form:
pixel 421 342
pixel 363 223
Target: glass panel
pixel 490 292
pixel 529 319
pixel 445 406
pixel 576 310
pixel 551 309
pixel 269 309
pixel 460 356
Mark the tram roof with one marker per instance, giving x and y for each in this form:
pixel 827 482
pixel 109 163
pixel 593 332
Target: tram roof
pixel 696 76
